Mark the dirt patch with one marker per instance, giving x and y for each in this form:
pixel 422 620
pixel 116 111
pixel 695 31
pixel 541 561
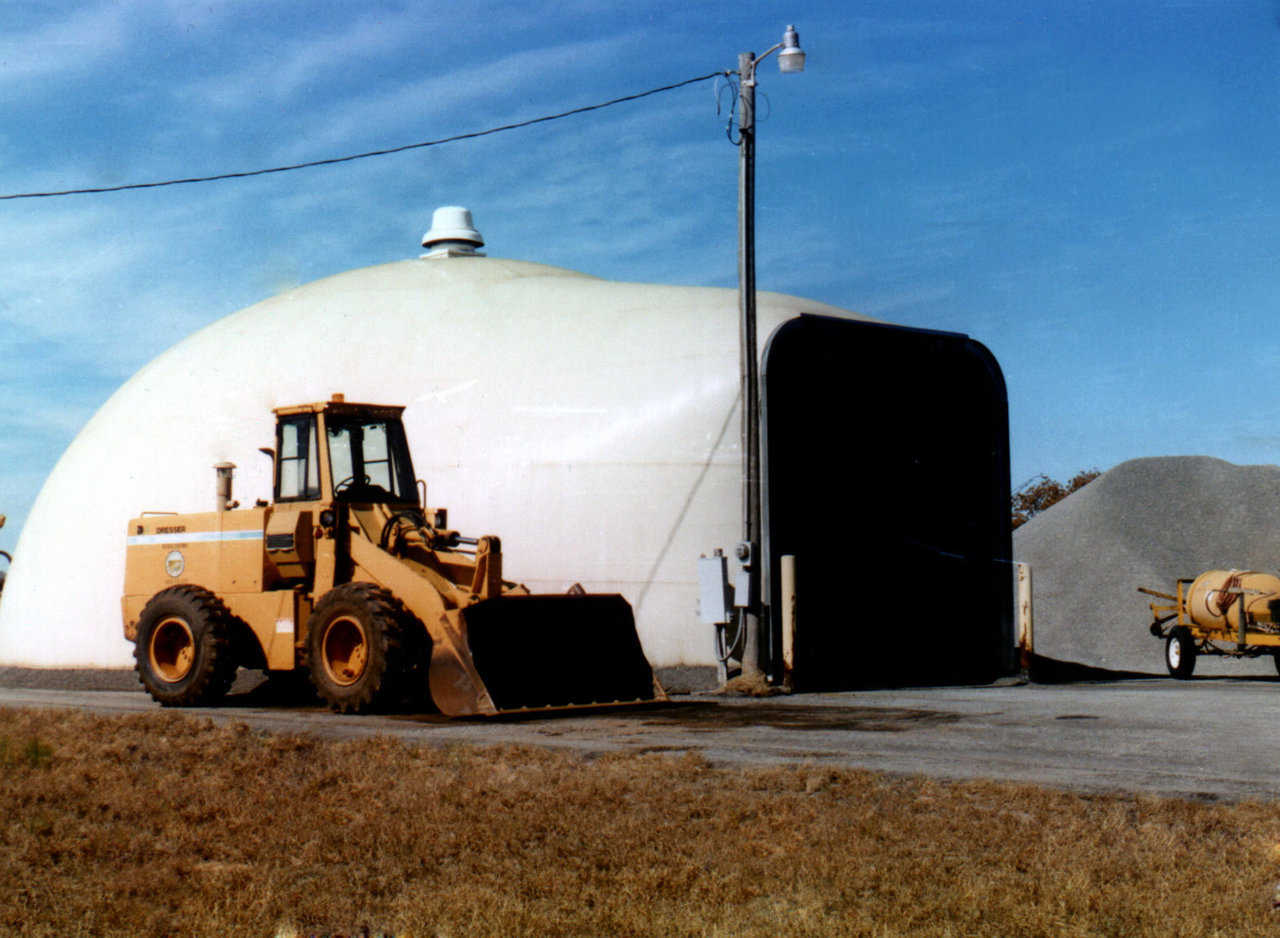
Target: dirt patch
pixel 710 717
pixel 745 685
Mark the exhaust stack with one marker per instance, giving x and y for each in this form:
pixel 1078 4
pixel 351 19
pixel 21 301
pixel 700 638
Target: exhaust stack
pixel 222 489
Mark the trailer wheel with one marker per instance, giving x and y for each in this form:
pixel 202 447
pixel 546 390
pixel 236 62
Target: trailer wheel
pixel 354 644
pixel 183 652
pixel 1180 652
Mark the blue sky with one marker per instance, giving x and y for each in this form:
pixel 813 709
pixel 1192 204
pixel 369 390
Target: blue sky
pixel 1088 188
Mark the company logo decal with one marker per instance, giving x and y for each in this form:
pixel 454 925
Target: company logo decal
pixel 174 563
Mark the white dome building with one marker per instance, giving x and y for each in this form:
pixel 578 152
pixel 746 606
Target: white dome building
pixel 593 425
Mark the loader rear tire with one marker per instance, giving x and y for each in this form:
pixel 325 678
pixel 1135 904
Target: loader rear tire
pixel 183 653
pixel 1180 653
pixel 355 647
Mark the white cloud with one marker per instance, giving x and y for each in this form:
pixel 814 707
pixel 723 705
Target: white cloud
pixel 70 44
pixel 458 101
pixel 296 61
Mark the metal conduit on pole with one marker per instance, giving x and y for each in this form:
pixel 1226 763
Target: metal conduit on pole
pixel 790 59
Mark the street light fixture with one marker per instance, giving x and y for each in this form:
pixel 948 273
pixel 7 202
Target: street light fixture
pixel 790 60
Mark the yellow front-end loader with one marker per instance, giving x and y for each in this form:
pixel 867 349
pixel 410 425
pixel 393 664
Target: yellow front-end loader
pixel 348 576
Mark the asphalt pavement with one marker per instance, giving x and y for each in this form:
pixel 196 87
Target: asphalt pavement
pixel 1209 738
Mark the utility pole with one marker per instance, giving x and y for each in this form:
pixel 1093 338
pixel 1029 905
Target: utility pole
pixel 791 59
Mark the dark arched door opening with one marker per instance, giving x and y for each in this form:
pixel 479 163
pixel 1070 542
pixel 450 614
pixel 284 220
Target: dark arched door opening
pixel 886 478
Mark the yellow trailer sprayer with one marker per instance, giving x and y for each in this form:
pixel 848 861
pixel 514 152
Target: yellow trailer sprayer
pixel 348 576
pixel 1222 612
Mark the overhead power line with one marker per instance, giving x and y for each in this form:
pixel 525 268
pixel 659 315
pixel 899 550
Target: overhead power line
pixel 362 156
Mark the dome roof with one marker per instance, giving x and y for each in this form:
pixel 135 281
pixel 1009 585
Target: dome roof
pixel 592 424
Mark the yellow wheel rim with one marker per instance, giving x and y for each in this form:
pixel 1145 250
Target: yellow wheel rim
pixel 345 651
pixel 172 650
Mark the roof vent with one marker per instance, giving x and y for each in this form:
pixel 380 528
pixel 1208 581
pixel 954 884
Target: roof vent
pixel 452 234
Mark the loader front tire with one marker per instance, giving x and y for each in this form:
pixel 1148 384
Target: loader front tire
pixel 183 652
pixel 354 644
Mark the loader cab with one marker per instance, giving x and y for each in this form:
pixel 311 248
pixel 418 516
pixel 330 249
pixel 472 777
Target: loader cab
pixel 335 451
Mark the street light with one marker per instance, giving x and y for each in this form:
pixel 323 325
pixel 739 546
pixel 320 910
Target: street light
pixel 790 59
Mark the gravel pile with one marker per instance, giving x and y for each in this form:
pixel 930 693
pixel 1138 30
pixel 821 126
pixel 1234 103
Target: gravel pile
pixel 1144 523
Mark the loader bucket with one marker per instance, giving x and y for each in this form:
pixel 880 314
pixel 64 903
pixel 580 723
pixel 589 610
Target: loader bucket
pixel 537 652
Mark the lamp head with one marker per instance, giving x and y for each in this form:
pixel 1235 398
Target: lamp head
pixel 791 58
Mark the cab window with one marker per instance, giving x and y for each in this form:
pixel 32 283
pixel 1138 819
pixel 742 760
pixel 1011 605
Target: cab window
pixel 370 460
pixel 297 468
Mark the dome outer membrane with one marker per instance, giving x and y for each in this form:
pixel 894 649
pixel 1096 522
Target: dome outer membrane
pixel 593 425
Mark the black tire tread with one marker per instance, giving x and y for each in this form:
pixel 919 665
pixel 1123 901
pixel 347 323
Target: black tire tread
pixel 394 657
pixel 212 625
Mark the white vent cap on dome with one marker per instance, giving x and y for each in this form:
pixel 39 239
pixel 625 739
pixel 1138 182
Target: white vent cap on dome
pixel 452 233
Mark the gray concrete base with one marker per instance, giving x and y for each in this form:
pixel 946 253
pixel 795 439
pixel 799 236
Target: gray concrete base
pixel 687 679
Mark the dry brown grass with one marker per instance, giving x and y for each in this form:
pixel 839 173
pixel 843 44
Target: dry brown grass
pixel 161 824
